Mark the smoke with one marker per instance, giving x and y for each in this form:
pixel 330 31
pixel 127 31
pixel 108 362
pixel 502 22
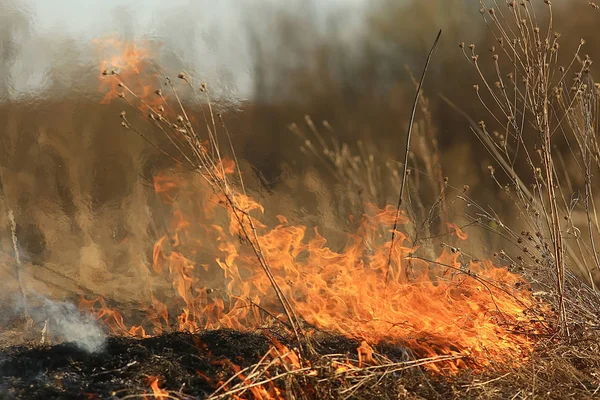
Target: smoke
pixel 69 324
pixel 58 321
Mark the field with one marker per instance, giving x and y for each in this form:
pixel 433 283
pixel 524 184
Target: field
pixel 162 238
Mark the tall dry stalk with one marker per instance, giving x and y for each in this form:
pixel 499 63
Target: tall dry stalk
pixel 407 152
pixel 204 157
pixel 531 120
pixel 18 267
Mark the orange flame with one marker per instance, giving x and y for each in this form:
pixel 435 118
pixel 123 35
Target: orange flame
pixel 459 233
pixel 437 307
pixel 431 307
pixel 157 392
pixel 365 354
pixel 129 62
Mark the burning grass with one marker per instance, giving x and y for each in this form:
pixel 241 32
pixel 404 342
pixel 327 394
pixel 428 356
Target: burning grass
pixel 242 308
pixel 226 364
pixel 477 311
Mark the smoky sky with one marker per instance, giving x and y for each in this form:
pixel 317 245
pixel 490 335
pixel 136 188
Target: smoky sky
pixel 49 44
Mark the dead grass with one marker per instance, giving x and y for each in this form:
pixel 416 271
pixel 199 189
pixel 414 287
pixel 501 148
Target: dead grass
pixel 533 103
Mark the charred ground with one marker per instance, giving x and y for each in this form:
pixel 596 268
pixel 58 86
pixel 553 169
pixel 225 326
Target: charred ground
pixel 193 366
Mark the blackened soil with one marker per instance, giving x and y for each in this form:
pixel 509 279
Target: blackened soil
pixel 187 365
pixel 190 364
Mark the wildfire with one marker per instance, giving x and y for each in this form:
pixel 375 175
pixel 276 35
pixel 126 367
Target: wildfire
pixel 129 61
pixel 157 393
pixel 446 306
pixel 433 308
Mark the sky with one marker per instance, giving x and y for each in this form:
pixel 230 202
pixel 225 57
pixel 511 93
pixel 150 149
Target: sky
pixel 211 35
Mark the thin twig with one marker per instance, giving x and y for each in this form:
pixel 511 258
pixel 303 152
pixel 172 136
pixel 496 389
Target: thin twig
pixel 405 168
pixel 13 231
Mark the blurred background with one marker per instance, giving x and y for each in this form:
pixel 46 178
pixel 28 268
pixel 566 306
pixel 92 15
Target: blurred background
pixel 332 72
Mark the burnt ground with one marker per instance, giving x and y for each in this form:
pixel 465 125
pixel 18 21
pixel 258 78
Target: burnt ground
pixel 64 371
pixel 190 365
pixel 193 365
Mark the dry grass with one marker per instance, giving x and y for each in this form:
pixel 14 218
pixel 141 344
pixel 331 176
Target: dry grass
pixel 536 108
pixel 534 103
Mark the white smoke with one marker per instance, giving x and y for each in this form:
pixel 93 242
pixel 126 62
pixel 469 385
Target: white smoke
pixel 71 325
pixel 52 321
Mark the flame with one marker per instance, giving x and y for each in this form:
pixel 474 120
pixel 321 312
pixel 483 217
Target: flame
pixel 459 232
pixel 434 308
pixel 157 392
pixel 277 358
pixel 473 309
pixel 365 354
pixel 130 62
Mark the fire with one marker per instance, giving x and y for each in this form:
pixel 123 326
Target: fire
pixel 456 230
pixel 438 307
pixel 365 354
pixel 475 310
pixel 157 392
pixel 129 61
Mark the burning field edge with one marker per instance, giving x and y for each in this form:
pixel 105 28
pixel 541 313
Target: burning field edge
pixel 263 364
pixel 237 308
